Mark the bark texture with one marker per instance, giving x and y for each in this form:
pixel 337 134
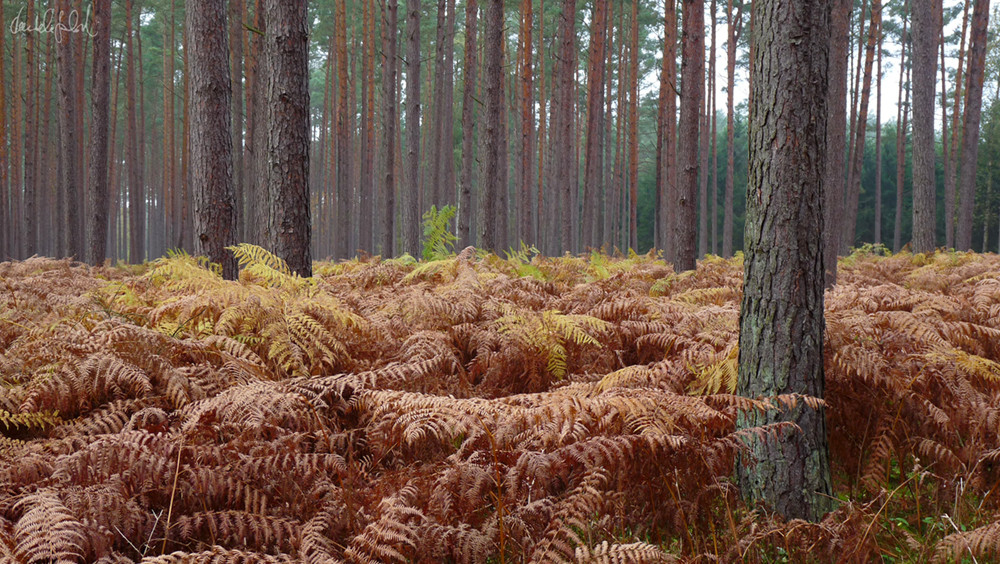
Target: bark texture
pixel 692 93
pixel 781 323
pixel 970 133
pixel 211 134
pixel 926 27
pixel 494 176
pixel 288 132
pixel 100 108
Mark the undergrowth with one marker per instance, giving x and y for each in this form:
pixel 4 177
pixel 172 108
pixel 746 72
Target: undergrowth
pixel 474 408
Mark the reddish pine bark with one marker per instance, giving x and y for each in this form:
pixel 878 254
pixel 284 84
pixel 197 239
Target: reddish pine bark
pixel 970 131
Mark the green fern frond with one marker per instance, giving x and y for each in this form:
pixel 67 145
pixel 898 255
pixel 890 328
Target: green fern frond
pixel 40 420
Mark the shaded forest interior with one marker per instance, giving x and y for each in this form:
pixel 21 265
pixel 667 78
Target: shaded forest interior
pixel 588 106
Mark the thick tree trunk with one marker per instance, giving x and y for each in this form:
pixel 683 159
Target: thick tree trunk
pixel 926 27
pixel 494 175
pixel 970 131
pixel 411 193
pixel 390 65
pixel 100 107
pixel 781 321
pixel 465 211
pixel 594 152
pixel 211 133
pixel 692 93
pixel 287 46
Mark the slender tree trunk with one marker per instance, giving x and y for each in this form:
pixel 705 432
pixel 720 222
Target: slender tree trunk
pixel 539 227
pixel 692 93
pixel 860 131
pixel 902 115
pixel 781 320
pixel 344 135
pixel 212 133
pixel 594 152
pixel 135 198
pixel 411 193
pixel 465 212
pixel 71 167
pixel 367 178
pixel 926 27
pixel 970 130
pixel 29 202
pixel 287 47
pixel 526 185
pixel 256 182
pixel 169 165
pixel 877 239
pixel 390 66
pixel 100 108
pixel 5 219
pixel 447 164
pixel 563 140
pixel 950 155
pixel 705 148
pixel 633 107
pixel 16 183
pixel 186 221
pixel 735 26
pixel 494 175
pixel 236 11
pixel 715 150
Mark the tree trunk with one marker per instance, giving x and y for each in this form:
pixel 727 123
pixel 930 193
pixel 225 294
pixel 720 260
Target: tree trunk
pixel 256 180
pixel 692 92
pixel 970 131
pixel 563 140
pixel 236 11
pixel 494 176
pixel 287 46
pixel 136 206
pixel 850 218
pixel 100 108
pixel 71 165
pixel 366 190
pixel 735 30
pixel 539 226
pixel 633 121
pixel 468 125
pixel 715 150
pixel 388 217
pixel 594 152
pixel 902 115
pixel 29 236
pixel 926 27
pixel 526 184
pixel 344 135
pixel 411 193
pixel 169 186
pixel 211 133
pixel 877 238
pixel 949 150
pixel 781 321
pixel 5 219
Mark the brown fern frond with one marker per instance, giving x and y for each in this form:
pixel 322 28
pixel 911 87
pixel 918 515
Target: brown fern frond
pixel 261 533
pixel 47 530
pixel 983 542
pixel 614 553
pixel 219 555
pixel 394 536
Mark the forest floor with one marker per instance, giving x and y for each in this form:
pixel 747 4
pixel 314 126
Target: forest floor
pixel 479 409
